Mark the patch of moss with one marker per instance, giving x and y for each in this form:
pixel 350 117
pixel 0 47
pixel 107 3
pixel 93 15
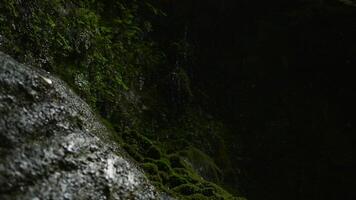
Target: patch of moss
pixel 163 165
pixel 208 192
pixel 175 180
pixel 203 164
pixel 181 171
pixel 198 197
pixel 153 152
pixel 186 189
pixel 176 161
pixel 150 168
pixel 156 178
pixel 102 49
pixel 133 137
pixel 215 191
pixel 178 181
pixel 164 177
pixel 133 152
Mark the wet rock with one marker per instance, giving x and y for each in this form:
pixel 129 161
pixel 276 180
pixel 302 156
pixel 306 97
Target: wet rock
pixel 53 147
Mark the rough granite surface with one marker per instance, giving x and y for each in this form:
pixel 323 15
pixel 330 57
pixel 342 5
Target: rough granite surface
pixel 53 147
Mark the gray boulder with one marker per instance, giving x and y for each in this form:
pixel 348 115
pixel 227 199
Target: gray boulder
pixel 53 147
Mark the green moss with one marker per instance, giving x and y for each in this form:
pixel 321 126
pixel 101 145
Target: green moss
pixel 156 178
pixel 186 189
pixel 150 168
pixel 198 197
pixel 102 49
pixel 133 152
pixel 181 171
pixel 183 180
pixel 203 164
pixel 153 152
pixel 210 188
pixel 208 192
pixel 163 165
pixel 164 177
pixel 176 161
pixel 134 138
pixel 99 47
pixel 175 180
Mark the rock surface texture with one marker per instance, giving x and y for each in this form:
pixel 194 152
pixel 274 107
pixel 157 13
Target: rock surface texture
pixel 53 147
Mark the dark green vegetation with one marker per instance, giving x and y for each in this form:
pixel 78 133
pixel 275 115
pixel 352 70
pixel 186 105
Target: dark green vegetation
pixel 135 78
pixel 257 97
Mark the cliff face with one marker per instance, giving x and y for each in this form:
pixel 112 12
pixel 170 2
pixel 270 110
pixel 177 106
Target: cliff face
pixel 254 95
pixel 130 61
pixel 53 147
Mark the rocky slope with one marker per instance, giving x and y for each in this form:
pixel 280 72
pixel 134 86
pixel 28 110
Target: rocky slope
pixel 53 147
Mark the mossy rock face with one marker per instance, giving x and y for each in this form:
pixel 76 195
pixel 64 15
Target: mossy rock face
pixel 164 177
pixel 208 192
pixel 187 189
pixel 182 181
pixel 142 142
pixel 153 152
pixel 198 197
pixel 181 171
pixel 163 165
pixel 156 179
pixel 176 161
pixel 101 49
pixel 175 180
pixel 150 168
pixel 132 151
pixel 214 191
pixel 203 164
pixel 148 160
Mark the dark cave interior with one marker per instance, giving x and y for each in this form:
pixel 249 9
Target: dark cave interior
pixel 280 73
